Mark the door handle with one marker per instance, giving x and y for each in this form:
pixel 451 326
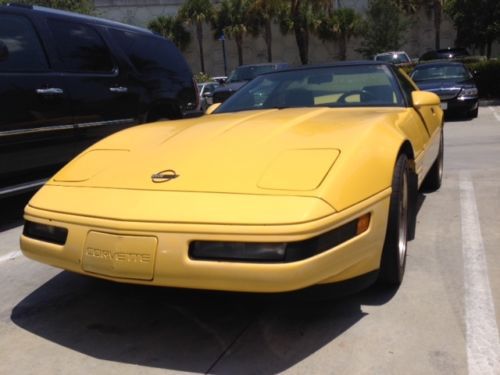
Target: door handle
pixel 50 91
pixel 119 89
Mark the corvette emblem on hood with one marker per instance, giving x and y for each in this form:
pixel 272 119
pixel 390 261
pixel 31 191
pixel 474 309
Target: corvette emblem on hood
pixel 164 176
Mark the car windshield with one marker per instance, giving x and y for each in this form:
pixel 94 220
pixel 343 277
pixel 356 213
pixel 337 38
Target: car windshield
pixel 247 73
pixel 440 72
pixel 335 86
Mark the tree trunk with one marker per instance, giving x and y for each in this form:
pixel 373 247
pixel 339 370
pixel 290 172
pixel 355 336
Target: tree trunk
pixel 302 38
pixel 438 11
pixel 489 42
pixel 199 34
pixel 269 37
pixel 239 45
pixel 301 34
pixel 342 47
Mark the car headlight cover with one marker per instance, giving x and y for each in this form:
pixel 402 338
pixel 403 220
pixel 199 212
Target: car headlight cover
pixel 279 251
pixel 242 251
pixel 44 232
pixel 468 91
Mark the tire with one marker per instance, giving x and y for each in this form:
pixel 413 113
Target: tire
pixel 393 261
pixel 434 178
pixel 474 113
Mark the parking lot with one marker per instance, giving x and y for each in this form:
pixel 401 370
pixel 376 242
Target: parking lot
pixel 443 319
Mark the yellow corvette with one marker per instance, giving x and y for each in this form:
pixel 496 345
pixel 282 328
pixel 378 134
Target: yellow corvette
pixel 304 177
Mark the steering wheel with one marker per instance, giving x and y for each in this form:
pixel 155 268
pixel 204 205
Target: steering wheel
pixel 344 96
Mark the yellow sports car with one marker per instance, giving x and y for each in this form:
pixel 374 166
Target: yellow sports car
pixel 304 177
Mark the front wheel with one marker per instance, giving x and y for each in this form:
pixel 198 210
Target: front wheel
pixel 474 113
pixel 393 262
pixel 434 178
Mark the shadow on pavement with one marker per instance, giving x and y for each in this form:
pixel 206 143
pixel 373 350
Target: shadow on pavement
pixel 11 210
pixel 185 330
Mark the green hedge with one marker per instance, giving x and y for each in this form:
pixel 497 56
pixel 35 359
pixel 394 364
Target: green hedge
pixel 487 78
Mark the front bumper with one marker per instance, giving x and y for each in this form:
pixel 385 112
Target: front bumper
pixel 167 263
pixel 461 105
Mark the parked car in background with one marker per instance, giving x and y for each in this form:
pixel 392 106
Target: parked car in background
pixel 394 57
pixel 241 75
pixel 219 79
pixel 206 90
pixel 67 80
pixel 444 54
pixel 452 82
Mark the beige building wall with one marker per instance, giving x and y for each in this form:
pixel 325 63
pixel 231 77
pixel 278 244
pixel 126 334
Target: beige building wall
pixel 420 36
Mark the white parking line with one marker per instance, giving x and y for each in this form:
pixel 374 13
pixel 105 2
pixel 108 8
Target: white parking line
pixel 483 343
pixel 497 115
pixel 10 256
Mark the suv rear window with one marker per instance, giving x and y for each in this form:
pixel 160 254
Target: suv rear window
pixel 80 47
pixel 150 53
pixel 25 51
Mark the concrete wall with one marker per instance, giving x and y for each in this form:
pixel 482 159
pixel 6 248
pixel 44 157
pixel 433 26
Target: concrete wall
pixel 420 36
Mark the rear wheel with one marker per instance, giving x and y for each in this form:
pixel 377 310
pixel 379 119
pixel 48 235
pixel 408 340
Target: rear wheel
pixel 393 262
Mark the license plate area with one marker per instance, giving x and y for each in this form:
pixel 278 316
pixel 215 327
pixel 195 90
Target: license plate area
pixel 128 257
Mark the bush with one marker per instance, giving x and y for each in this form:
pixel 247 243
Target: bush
pixel 487 78
pixel 202 77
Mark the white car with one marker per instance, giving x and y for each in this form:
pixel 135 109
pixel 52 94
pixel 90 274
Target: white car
pixel 206 90
pixel 395 57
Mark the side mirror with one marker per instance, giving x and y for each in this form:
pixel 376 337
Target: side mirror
pixel 4 51
pixel 424 98
pixel 212 108
pixel 208 94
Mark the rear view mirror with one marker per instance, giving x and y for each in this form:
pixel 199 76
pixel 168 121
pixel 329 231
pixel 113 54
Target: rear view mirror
pixel 4 51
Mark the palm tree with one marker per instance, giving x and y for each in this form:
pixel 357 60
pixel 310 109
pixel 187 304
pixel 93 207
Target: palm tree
pixel 262 15
pixel 300 16
pixel 340 25
pixel 232 20
pixel 171 28
pixel 437 7
pixel 432 7
pixel 197 12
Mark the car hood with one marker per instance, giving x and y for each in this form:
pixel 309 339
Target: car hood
pixel 288 152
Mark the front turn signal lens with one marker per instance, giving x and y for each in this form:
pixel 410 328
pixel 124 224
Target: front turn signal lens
pixel 363 224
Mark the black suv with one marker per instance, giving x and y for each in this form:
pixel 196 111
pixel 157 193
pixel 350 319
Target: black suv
pixel 67 80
